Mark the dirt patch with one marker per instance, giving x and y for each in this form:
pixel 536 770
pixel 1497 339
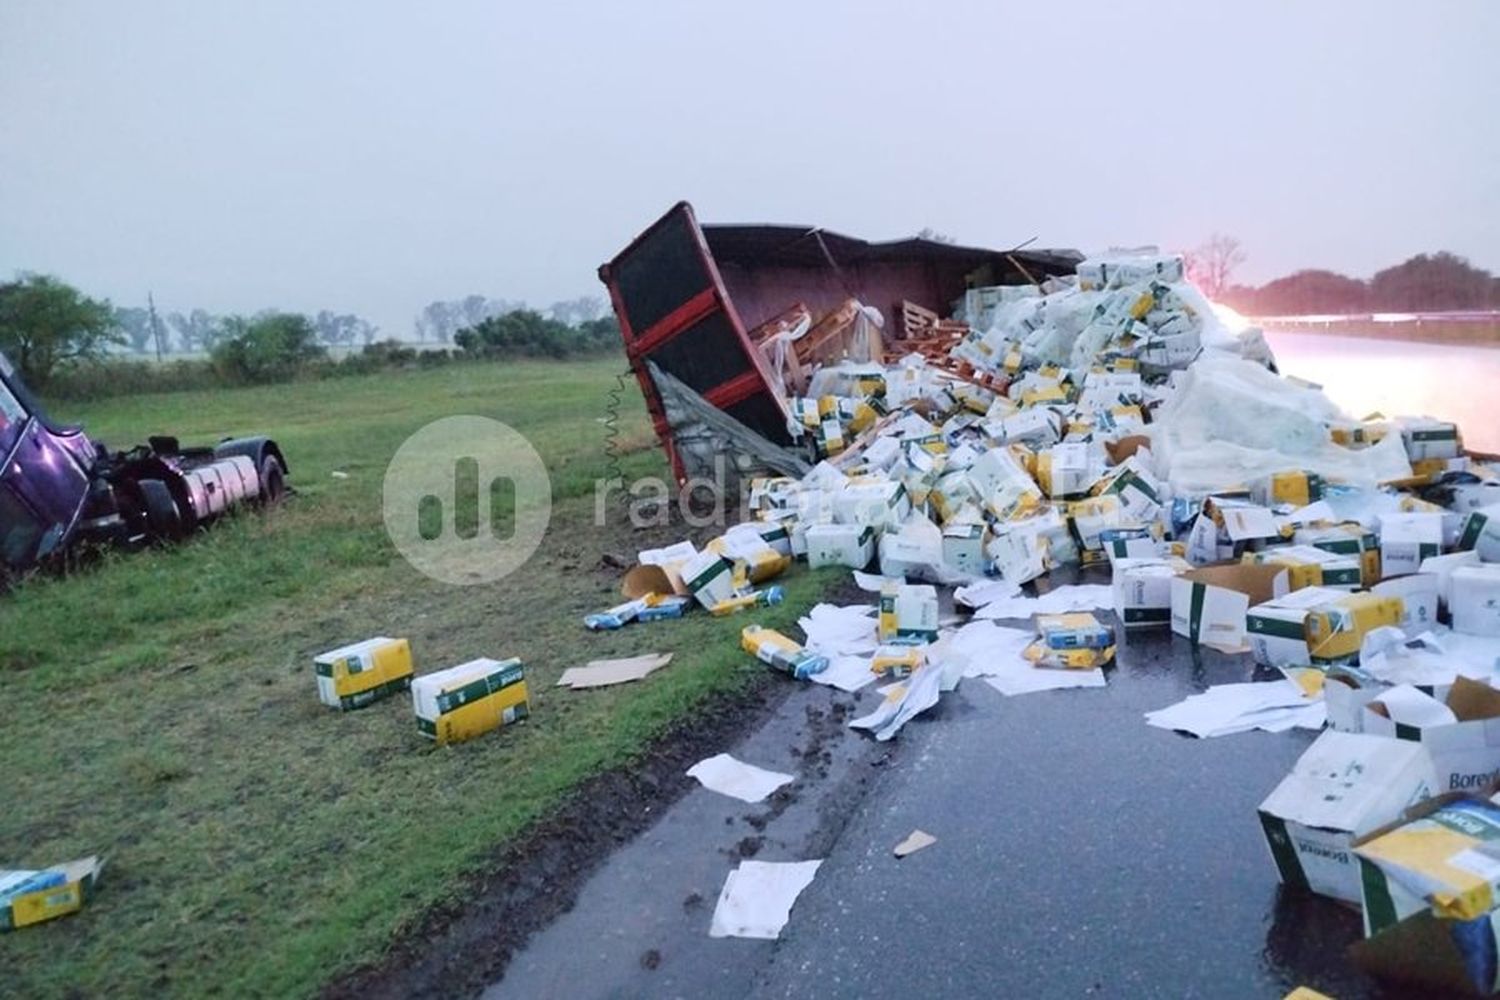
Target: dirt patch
pixel 460 949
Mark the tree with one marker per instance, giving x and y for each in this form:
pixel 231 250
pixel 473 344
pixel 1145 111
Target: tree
pixel 1211 265
pixel 1305 293
pixel 46 324
pixel 1440 281
pixel 343 329
pixel 436 320
pixel 575 312
pixel 270 346
pixel 135 323
pixel 198 330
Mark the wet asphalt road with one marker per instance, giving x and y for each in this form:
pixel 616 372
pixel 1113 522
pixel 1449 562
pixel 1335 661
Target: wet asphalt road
pixel 1080 853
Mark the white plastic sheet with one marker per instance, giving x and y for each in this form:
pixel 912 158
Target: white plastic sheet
pixel 1231 421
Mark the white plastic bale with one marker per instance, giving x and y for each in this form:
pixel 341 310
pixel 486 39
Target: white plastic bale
pixel 1231 421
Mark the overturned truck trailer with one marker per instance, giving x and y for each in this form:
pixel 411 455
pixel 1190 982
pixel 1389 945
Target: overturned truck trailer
pixel 718 319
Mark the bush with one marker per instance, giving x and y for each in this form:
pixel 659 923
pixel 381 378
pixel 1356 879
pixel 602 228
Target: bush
pixel 527 333
pixel 269 348
pixel 118 377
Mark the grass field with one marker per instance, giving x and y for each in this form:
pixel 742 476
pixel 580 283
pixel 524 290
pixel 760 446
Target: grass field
pixel 161 711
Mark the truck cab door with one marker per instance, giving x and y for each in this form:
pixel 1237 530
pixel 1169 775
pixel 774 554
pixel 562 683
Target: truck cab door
pixel 43 484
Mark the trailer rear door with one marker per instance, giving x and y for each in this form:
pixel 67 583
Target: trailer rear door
pixel 673 310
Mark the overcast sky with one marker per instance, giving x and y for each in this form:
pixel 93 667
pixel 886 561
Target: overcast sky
pixel 370 156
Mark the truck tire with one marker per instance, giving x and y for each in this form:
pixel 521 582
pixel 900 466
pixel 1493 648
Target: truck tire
pixel 272 481
pixel 163 519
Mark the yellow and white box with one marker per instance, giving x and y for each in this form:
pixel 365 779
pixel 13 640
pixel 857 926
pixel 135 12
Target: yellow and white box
pixel 362 673
pixel 1277 629
pixel 1336 630
pixel 470 699
pixel 31 897
pixel 1068 470
pixel 1310 566
pixel 908 613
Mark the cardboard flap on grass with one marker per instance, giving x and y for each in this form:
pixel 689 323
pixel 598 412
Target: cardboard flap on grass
pixel 643 580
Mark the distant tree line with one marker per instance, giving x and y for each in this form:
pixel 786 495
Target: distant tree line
pixel 442 321
pixel 198 331
pixel 69 343
pixel 1425 283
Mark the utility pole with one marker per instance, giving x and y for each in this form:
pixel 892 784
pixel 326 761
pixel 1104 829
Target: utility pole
pixel 155 325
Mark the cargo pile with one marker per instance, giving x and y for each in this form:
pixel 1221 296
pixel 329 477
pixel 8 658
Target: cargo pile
pixel 1112 420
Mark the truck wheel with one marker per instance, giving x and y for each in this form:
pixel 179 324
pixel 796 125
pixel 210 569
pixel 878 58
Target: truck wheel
pixel 163 519
pixel 272 480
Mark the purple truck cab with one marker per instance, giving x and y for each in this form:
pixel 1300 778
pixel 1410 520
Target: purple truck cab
pixel 59 489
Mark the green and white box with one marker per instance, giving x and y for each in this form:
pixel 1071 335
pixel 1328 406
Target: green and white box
pixel 849 545
pixel 1428 438
pixel 1143 591
pixel 1407 539
pixel 1344 786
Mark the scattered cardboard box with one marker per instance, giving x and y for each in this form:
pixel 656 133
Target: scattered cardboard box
pixel 908 613
pixel 1277 628
pixel 32 897
pixel 362 673
pixel 1475 600
pixel 1336 630
pixel 1461 734
pixel 1142 590
pixel 1428 897
pixel 1344 786
pixel 1407 539
pixel 471 699
pixel 1210 603
pixel 851 545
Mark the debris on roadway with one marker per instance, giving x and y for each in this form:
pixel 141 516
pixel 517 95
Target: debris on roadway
pixel 724 774
pixel 757 898
pixel 1017 426
pixel 914 842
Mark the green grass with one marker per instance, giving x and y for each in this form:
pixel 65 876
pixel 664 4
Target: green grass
pixel 161 708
